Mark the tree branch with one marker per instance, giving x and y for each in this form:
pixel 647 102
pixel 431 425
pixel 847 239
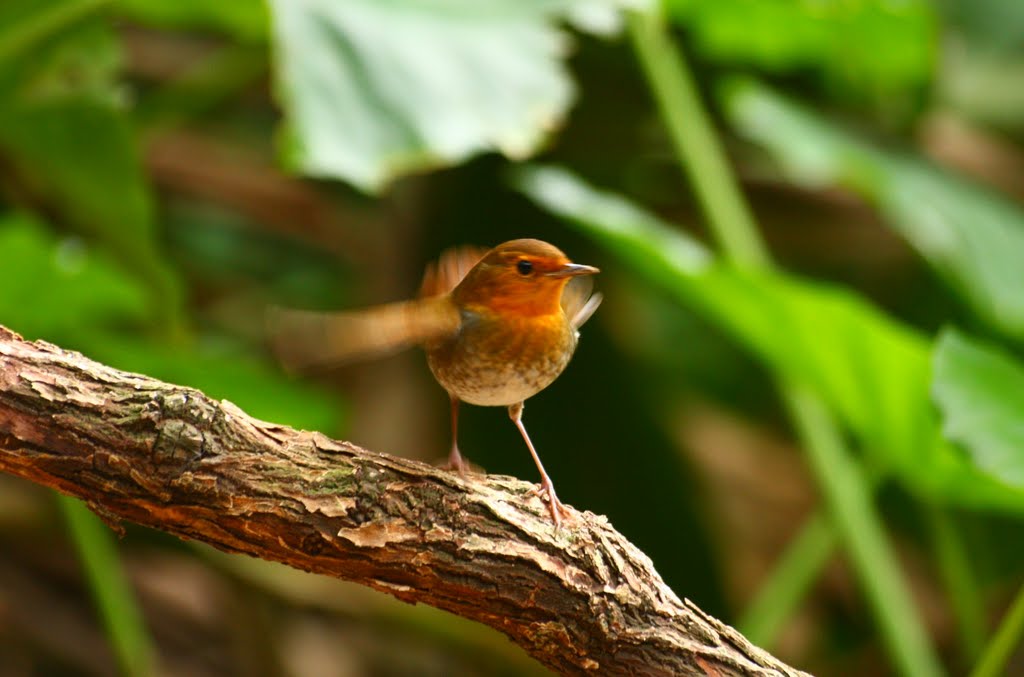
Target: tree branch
pixel 581 600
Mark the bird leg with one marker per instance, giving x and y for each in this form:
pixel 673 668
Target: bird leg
pixel 547 488
pixel 455 460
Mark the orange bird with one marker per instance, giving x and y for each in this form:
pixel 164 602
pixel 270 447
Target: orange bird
pixel 497 326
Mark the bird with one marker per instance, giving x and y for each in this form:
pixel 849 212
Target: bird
pixel 498 326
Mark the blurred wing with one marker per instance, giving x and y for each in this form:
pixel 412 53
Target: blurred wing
pixel 304 339
pixel 578 300
pixel 449 269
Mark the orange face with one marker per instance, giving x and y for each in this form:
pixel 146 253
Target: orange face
pixel 524 278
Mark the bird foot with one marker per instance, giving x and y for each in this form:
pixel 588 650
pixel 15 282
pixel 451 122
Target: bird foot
pixel 460 465
pixel 546 492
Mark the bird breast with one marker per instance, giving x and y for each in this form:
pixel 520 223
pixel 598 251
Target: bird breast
pixel 502 362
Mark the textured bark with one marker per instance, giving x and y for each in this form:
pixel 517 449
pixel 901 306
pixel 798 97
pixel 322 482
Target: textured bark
pixel 581 599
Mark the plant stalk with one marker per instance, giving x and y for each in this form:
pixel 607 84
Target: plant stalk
pixel 846 490
pixel 961 587
pixel 113 595
pixel 789 581
pixel 1007 638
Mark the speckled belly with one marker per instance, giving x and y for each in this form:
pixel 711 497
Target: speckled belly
pixel 500 368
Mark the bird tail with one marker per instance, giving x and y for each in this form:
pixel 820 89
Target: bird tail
pixel 307 339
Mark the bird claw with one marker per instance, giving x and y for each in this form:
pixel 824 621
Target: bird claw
pixel 546 492
pixel 456 462
pixel 459 464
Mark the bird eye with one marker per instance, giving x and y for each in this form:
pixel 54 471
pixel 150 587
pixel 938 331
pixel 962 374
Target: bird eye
pixel 524 267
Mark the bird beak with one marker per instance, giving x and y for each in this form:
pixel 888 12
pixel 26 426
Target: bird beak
pixel 572 270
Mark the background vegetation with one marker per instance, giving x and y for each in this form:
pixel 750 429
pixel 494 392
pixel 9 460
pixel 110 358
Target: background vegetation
pixel 803 397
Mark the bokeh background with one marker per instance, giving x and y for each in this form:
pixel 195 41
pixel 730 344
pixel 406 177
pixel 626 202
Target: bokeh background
pixel 827 453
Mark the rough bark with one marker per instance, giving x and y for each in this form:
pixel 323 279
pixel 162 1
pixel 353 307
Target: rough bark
pixel 581 599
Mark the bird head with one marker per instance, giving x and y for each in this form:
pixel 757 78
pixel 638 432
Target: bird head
pixel 524 277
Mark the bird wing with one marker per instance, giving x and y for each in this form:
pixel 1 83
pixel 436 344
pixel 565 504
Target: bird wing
pixel 579 300
pixel 304 339
pixel 447 272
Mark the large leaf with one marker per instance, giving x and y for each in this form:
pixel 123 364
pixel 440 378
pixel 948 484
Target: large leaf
pixel 373 88
pixel 56 47
pixel 64 291
pixel 972 236
pixel 25 25
pixel 61 289
pixel 874 372
pixel 980 391
pixel 872 46
pixel 70 148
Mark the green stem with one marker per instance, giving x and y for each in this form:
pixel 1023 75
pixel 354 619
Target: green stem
pixel 1007 637
pixel 955 569
pixel 22 35
pixel 696 143
pixel 794 574
pixel 113 595
pixel 846 491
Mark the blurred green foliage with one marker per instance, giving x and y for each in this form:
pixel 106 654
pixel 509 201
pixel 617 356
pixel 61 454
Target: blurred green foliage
pixel 244 20
pixel 102 283
pixel 974 237
pixel 980 390
pixel 864 48
pixel 353 78
pixel 873 372
pixel 85 293
pixel 145 219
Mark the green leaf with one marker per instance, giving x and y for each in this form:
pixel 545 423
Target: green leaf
pixel 872 46
pixel 71 149
pixel 80 156
pixel 62 290
pixel 872 371
pixel 243 19
pixel 375 89
pixel 979 390
pixel 77 296
pixel 973 237
pixel 27 24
